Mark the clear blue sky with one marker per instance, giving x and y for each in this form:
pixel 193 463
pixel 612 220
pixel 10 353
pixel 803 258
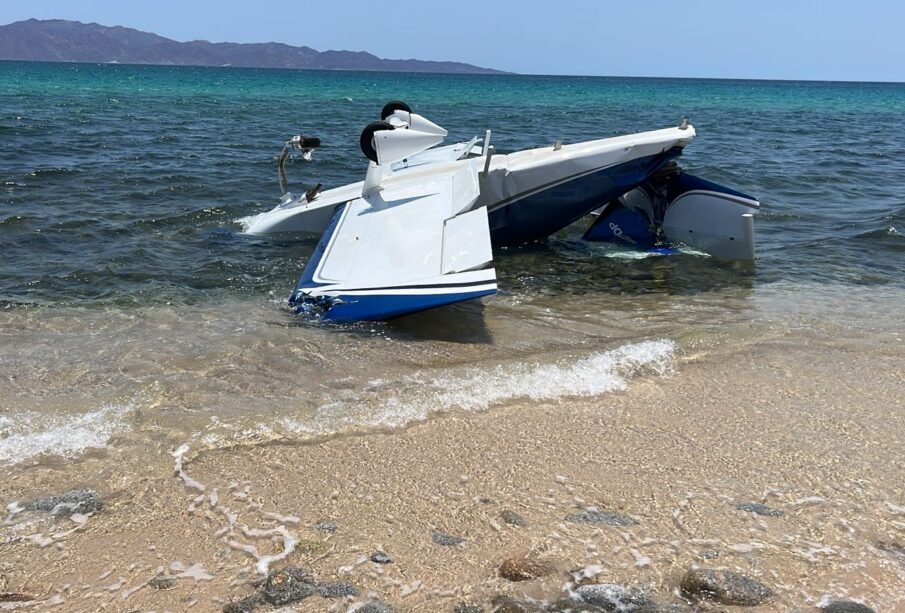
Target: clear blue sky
pixel 779 39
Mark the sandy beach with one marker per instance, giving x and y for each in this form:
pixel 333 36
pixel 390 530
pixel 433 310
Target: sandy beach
pixel 807 428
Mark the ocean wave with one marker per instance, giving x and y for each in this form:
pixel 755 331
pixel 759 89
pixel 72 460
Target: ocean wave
pixel 880 233
pixel 187 219
pixel 474 388
pixel 247 221
pixel 599 373
pixel 30 434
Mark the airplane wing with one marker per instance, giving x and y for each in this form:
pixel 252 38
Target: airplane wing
pixel 402 249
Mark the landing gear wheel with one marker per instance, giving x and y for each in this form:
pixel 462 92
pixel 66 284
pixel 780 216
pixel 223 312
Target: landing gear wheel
pixel 391 107
pixel 367 138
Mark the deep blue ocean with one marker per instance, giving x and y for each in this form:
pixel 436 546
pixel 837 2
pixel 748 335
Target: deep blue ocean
pixel 120 185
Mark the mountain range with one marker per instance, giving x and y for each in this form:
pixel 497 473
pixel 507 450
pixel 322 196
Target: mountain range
pixel 58 40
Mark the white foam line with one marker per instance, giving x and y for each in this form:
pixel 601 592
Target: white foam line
pixel 32 434
pixel 409 589
pixel 746 547
pixel 117 586
pixel 641 560
pixel 246 222
pixel 13 509
pixel 54 601
pixel 596 374
pixel 263 562
pixel 178 455
pixel 128 593
pixel 195 571
pixel 40 540
pixel 258 533
pixel 348 568
pixel 283 519
pixel 479 388
pixel 289 543
pixel 814 554
pixel 808 501
pixel 246 547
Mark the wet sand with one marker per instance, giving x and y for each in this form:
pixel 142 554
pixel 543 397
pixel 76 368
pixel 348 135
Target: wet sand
pixel 810 429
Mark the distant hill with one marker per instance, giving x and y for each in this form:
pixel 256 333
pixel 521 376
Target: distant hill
pixel 57 40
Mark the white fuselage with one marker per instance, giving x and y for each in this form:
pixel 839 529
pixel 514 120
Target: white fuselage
pixel 508 178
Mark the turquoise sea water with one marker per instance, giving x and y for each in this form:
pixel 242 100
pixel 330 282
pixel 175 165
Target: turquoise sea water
pixel 120 184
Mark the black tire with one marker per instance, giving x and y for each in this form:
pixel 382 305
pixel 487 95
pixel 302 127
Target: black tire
pixel 391 107
pixel 367 138
pixel 309 142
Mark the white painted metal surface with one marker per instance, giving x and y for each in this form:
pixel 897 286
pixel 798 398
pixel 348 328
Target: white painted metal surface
pixel 407 235
pixel 523 173
pixel 716 223
pixel 509 177
pixel 464 247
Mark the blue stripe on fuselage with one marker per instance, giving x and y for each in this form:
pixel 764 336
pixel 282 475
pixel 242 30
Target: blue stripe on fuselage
pixel 307 279
pixel 380 307
pixel 539 215
pixel 685 182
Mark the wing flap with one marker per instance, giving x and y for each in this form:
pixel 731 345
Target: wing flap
pixel 466 242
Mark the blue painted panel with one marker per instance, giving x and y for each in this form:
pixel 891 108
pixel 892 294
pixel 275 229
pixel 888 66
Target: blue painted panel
pixel 684 182
pixel 383 307
pixel 618 224
pixel 540 215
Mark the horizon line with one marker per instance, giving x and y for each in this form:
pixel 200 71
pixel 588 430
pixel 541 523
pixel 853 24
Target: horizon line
pixel 498 74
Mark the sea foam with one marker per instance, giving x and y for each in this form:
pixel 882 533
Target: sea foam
pixel 477 388
pixel 29 434
pixel 601 372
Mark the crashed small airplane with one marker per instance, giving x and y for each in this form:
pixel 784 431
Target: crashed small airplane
pixel 418 232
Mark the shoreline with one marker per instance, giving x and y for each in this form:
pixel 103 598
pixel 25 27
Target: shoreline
pixel 774 425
